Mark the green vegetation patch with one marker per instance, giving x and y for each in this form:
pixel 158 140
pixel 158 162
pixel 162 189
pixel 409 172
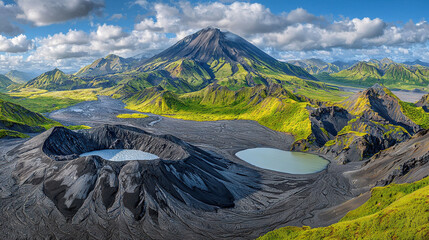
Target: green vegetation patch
pixel 78 127
pixel 12 134
pixel 42 101
pixel 134 115
pixel 416 114
pixel 397 211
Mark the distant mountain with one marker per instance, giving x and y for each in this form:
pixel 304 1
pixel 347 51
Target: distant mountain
pixel 5 82
pixel 344 64
pixel 212 55
pixel 385 71
pixel 417 62
pixel 15 119
pixel 56 80
pixel 20 77
pixel 108 65
pixel 315 66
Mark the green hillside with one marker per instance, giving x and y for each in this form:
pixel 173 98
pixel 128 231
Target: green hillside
pixel 19 77
pixel 272 106
pixel 56 80
pixel 14 119
pixel 397 211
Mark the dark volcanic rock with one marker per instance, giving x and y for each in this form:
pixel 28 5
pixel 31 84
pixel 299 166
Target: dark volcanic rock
pixel 186 173
pixel 404 162
pixel 424 103
pixel 378 104
pixel 326 122
pixel 371 121
pixel 187 192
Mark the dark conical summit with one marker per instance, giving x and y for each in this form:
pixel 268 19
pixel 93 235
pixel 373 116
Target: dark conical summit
pixel 212 43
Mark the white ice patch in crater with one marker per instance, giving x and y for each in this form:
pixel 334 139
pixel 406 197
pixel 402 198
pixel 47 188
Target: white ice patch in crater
pixel 118 155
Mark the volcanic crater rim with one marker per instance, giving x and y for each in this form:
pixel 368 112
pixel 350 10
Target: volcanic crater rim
pixel 63 144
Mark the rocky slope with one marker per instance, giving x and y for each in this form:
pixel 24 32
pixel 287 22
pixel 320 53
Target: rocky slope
pixel 317 66
pixel 424 103
pixel 369 121
pixel 5 82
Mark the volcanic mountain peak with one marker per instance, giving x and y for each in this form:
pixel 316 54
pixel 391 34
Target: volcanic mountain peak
pixel 211 44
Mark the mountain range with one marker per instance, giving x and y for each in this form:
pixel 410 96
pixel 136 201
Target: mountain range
pixel 385 71
pixel 205 57
pixel 317 66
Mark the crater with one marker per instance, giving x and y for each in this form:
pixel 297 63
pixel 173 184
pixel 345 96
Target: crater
pixel 119 155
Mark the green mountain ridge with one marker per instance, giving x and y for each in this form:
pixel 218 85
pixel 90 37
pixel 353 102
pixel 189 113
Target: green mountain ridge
pixel 56 80
pixel 384 72
pixel 316 66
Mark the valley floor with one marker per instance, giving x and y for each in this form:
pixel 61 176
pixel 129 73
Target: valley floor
pixel 315 200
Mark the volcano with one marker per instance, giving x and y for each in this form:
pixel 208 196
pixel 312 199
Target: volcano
pixel 213 55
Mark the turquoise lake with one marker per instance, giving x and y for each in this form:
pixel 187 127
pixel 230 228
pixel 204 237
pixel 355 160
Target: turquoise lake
pixel 283 161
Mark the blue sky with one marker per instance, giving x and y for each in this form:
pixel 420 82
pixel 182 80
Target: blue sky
pixel 38 35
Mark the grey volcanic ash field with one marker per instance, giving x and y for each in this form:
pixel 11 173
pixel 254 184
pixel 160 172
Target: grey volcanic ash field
pixel 197 189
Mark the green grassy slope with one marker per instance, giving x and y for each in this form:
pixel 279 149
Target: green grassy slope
pixel 43 101
pixel 56 80
pixel 397 211
pixel 14 118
